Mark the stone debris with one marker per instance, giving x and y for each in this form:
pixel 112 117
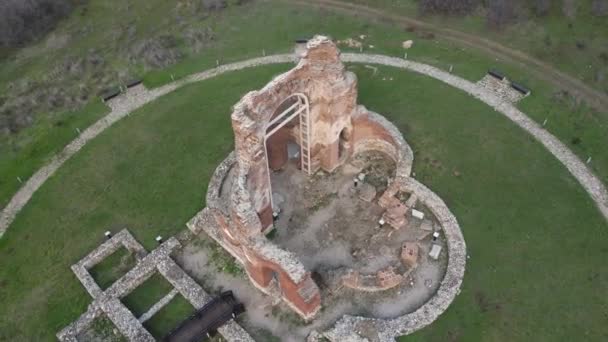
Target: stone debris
pixel 417 214
pixel 409 254
pixel 501 88
pixel 380 281
pixel 395 214
pixel 427 225
pixel 367 192
pixel 435 251
pixel 351 43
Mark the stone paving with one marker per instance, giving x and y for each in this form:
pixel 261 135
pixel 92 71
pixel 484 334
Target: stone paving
pixel 138 96
pixel 108 302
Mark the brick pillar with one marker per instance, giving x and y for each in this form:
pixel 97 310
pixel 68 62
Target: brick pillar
pixel 277 149
pixel 259 274
pixel 330 156
pixel 305 295
pixel 265 216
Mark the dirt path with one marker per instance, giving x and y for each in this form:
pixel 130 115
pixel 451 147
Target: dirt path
pixel 594 98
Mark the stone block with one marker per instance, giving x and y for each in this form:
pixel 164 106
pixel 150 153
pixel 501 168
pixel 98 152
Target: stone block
pixel 409 254
pixel 435 251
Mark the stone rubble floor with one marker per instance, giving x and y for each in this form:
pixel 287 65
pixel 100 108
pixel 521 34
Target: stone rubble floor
pixel 325 223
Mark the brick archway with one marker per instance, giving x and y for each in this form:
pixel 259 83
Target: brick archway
pixel 276 138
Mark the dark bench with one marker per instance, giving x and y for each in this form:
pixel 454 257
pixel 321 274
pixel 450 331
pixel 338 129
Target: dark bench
pixel 110 94
pixel 520 88
pixel 134 82
pixel 205 321
pixel 496 74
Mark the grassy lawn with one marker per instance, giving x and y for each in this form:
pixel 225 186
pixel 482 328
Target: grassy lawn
pixel 237 36
pixel 25 153
pixel 148 173
pixel 535 239
pixel 147 294
pixel 169 317
pixel 113 267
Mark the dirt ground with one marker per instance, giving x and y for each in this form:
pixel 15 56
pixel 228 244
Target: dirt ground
pixel 324 222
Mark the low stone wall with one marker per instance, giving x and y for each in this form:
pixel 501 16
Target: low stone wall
pixel 108 302
pixel 389 329
pixel 373 131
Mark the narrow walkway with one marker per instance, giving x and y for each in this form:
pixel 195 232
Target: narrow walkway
pixel 138 96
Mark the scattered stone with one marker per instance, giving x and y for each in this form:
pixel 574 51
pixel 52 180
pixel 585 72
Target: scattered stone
pixel 352 43
pixel 395 215
pixel 407 44
pixel 426 225
pixel 417 214
pixel 367 192
pixel 435 251
pixel 409 254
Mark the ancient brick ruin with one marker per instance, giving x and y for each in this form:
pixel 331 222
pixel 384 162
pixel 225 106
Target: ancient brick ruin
pixel 310 116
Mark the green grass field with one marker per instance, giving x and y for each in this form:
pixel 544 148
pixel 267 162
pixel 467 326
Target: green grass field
pixel 169 317
pixel 534 237
pixel 147 294
pixel 113 267
pixel 238 31
pixel 536 241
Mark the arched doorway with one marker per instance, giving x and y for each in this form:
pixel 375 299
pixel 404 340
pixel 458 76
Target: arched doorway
pixel 294 107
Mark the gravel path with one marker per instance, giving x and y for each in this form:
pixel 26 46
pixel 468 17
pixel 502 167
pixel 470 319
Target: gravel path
pixel 138 96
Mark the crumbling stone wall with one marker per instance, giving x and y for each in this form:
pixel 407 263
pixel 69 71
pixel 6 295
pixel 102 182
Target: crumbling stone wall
pixel 338 127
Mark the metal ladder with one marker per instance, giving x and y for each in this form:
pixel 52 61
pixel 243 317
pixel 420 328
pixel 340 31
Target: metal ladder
pixel 305 139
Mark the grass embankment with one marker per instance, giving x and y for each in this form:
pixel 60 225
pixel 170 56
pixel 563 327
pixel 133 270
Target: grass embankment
pixel 529 226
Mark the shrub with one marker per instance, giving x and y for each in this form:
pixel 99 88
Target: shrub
pixel 22 21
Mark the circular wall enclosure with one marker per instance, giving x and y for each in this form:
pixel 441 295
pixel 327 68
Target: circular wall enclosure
pixel 332 133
